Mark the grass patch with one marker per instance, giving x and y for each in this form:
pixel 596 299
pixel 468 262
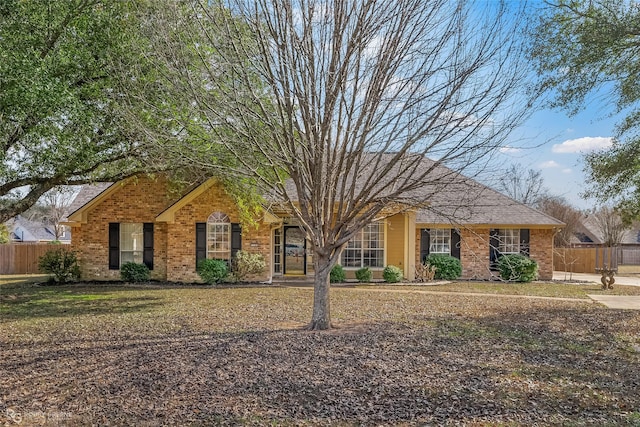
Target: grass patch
pixel 541 289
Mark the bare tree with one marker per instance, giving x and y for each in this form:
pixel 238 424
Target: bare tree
pixel 561 210
pixel 51 209
pixel 55 203
pixel 611 226
pixel 525 186
pixel 352 107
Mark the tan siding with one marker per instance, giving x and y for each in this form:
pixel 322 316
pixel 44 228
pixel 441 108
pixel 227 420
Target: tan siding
pixel 396 240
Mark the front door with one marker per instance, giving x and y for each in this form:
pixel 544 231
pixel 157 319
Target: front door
pixel 295 250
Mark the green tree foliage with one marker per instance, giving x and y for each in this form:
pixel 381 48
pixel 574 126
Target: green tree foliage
pixel 4 234
pixel 76 79
pixel 588 48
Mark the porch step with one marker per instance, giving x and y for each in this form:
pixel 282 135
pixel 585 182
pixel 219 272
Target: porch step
pixel 293 280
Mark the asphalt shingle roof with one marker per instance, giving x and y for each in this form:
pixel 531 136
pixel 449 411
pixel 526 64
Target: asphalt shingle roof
pixel 85 195
pixel 448 197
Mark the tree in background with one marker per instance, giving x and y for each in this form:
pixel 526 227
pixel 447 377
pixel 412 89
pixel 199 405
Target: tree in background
pixel 51 208
pixel 611 226
pixel 560 209
pixel 525 186
pixel 343 102
pixel 581 48
pixel 71 74
pixel 4 234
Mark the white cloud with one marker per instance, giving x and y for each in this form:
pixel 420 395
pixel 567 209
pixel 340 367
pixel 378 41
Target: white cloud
pixel 507 149
pixel 549 164
pixel 581 145
pixel 567 170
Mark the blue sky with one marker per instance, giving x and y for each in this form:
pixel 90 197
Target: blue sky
pixel 553 142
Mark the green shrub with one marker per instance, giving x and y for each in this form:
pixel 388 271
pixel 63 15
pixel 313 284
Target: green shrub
pixel 212 271
pixel 392 274
pixel 337 274
pixel 517 268
pixel 246 264
pixel 62 264
pixel 364 275
pixel 447 267
pixel 134 272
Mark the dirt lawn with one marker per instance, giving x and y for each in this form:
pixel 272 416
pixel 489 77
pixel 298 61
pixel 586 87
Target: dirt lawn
pixel 151 355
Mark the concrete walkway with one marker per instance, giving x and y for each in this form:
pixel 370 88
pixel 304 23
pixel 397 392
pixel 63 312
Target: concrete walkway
pixel 622 302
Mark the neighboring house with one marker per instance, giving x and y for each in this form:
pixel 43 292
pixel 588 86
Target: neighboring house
pixel 22 230
pixel 138 220
pixel 589 234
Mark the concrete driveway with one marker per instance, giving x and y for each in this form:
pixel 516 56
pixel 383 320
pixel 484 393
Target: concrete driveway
pixel 622 302
pixel 587 277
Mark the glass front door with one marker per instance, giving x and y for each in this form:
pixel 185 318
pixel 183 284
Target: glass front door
pixel 295 249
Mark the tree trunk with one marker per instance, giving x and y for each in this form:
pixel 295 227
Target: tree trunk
pixel 321 319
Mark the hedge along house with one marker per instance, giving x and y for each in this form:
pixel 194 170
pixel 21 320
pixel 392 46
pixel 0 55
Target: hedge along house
pixel 142 220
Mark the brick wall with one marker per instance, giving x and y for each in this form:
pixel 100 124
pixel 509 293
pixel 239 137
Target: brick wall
pixel 135 201
pixel 541 249
pixel 141 200
pixel 181 235
pixel 474 252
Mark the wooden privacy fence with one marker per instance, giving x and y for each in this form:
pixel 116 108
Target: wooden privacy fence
pixel 22 258
pixel 575 260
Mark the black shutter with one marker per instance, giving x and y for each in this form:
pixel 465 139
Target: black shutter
pixel 455 243
pixel 425 242
pixel 114 246
pixel 494 244
pixel 236 239
pixel 201 241
pixel 147 254
pixel 524 241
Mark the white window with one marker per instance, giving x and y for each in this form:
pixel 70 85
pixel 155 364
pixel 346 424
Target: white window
pixel 277 250
pixel 218 236
pixel 509 241
pixel 131 243
pixel 366 248
pixel 440 241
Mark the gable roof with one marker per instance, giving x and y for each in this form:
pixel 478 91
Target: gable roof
pixel 88 195
pixel 588 231
pixel 168 215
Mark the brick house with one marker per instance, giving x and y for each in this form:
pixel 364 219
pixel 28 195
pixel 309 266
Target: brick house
pixel 142 219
